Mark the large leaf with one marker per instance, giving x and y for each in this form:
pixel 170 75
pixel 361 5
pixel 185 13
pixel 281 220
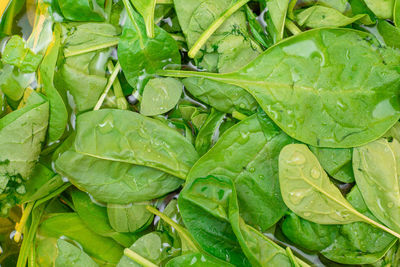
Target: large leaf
pixel 70 255
pixel 115 182
pixel 335 73
pixel 141 56
pixel 129 137
pixel 376 169
pixel 241 155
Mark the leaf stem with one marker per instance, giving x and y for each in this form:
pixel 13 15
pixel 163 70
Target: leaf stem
pixel 182 233
pixel 239 116
pixel 138 259
pixel 108 87
pixel 20 226
pixel 122 103
pixel 91 48
pixel 214 26
pixel 292 27
pixel 291 256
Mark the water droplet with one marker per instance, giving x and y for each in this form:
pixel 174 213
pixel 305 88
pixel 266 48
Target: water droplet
pixel 315 173
pixel 261 176
pixel 307 214
pixel 296 196
pixel 245 137
pixel 390 205
pixel 297 159
pixel 107 125
pixel 252 169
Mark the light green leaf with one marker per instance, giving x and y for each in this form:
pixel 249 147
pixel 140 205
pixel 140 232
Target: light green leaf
pixel 70 255
pixel 146 8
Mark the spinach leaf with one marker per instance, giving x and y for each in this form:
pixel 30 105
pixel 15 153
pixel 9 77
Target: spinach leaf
pixel 17 54
pixel 223 97
pixel 82 10
pixel 376 168
pixel 389 33
pixel 209 132
pixel 147 9
pixel 382 9
pixel 129 137
pixel 240 154
pixel 132 218
pixel 115 182
pixel 319 16
pixel 160 95
pixel 70 255
pixel 331 77
pixel 141 56
pixel 58 111
pixel 21 133
pixel 95 218
pixel 72 227
pixel 337 162
pixel 307 190
pixel 155 247
pixel 196 260
pixel 359 243
pixel 229 47
pixel 13 82
pixel 276 17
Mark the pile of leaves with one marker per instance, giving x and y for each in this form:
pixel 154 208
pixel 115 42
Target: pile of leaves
pixel 199 133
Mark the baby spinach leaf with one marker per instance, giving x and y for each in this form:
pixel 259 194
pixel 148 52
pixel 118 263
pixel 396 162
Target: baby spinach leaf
pixel 132 217
pixel 359 243
pixel 160 95
pixel 376 169
pixel 141 56
pixel 382 9
pixel 58 111
pixel 332 83
pixel 21 134
pixel 307 190
pixel 223 97
pixel 337 162
pixel 13 82
pixel 70 255
pixel 146 8
pixel 197 260
pixel 115 182
pixel 229 47
pixel 276 17
pixel 396 13
pixel 82 10
pixel 154 247
pixel 17 54
pixel 389 33
pixel 96 219
pixel 126 136
pixel 240 154
pixel 320 16
pixel 209 132
pixel 71 226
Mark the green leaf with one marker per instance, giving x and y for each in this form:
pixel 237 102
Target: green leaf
pixel 382 9
pixel 337 72
pixel 396 13
pixel 240 154
pixel 58 111
pixel 146 8
pixel 17 54
pixel 307 190
pixel 229 47
pixel 82 10
pixel 21 134
pixel 70 255
pixel 115 182
pixel 141 56
pixel 276 17
pixel 129 137
pixel 389 33
pixel 336 162
pixel 209 132
pixel 197 260
pixel 319 17
pixel 223 97
pixel 71 226
pixel 96 219
pixel 160 95
pixel 13 82
pixel 132 218
pixel 376 169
